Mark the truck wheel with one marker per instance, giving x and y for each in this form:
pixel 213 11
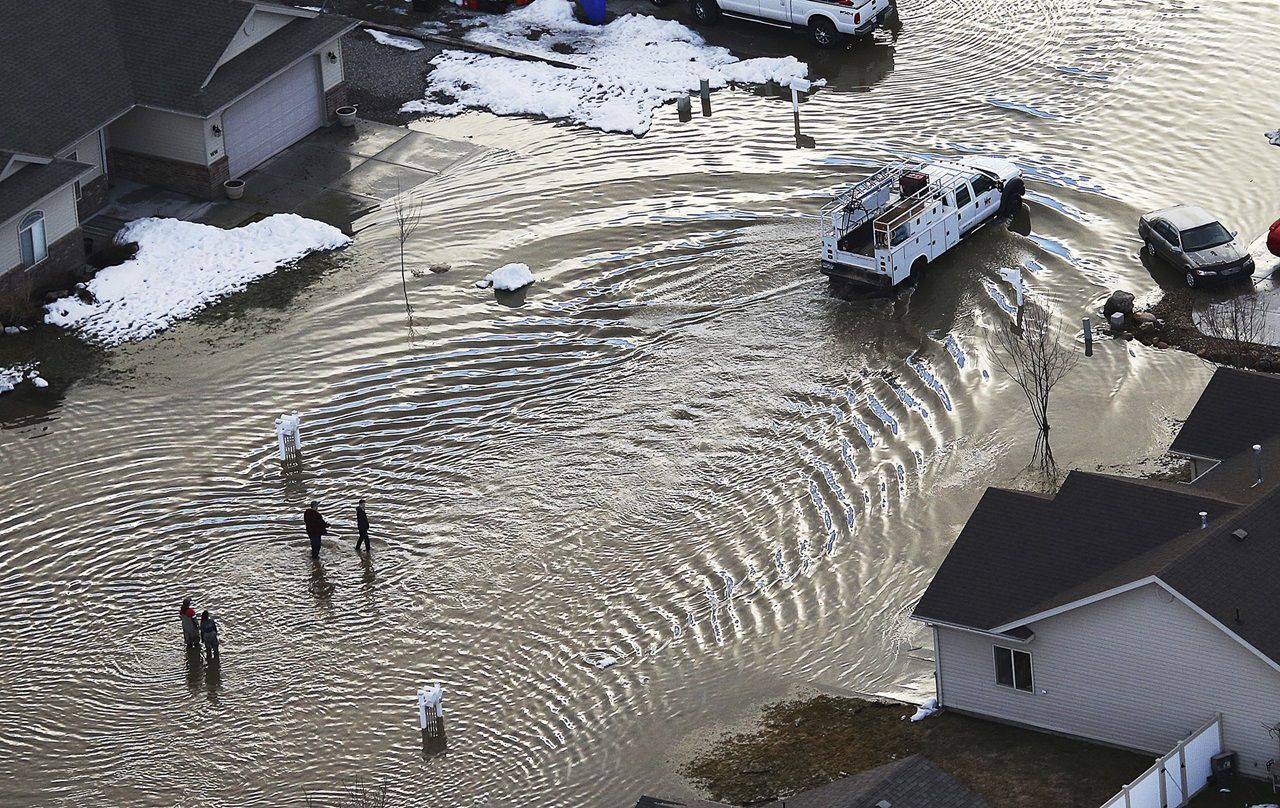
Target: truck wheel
pixel 823 32
pixel 1191 279
pixel 704 11
pixel 917 270
pixel 1011 198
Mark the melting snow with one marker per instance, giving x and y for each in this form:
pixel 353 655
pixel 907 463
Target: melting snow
pixel 181 268
pixel 508 278
pixel 401 42
pixel 627 69
pixel 927 709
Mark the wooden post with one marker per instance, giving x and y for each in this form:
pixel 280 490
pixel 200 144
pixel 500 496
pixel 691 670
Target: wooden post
pixel 684 108
pixel 704 90
pixel 1088 337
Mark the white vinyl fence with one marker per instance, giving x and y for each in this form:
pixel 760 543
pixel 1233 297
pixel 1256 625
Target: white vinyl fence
pixel 1176 777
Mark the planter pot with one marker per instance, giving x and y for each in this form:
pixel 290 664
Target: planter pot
pixel 346 115
pixel 234 189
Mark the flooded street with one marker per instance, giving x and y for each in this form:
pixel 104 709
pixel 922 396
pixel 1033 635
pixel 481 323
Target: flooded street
pixel 682 455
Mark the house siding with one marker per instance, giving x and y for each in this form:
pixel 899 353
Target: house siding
pixel 331 73
pixel 161 134
pixel 1139 670
pixel 257 26
pixel 60 220
pixel 89 152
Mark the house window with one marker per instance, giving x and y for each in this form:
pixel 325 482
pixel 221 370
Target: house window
pixel 31 238
pixel 1013 669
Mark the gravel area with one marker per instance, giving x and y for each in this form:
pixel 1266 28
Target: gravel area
pixel 381 78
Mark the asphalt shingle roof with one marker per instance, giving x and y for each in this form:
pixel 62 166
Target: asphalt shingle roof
pixel 913 782
pixel 33 182
pixel 1020 554
pixel 1237 409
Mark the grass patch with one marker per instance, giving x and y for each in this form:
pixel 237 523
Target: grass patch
pixel 805 743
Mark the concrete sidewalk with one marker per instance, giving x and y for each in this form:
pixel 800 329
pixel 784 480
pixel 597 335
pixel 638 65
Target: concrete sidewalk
pixel 335 175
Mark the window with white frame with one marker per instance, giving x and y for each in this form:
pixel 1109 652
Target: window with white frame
pixel 31 238
pixel 1013 669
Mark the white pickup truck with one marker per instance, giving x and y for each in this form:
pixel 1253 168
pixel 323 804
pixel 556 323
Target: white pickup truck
pixel 826 20
pixel 890 226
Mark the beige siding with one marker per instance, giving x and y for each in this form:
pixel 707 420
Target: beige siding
pixel 1140 670
pixel 257 26
pixel 59 219
pixel 163 134
pixel 331 73
pixel 88 151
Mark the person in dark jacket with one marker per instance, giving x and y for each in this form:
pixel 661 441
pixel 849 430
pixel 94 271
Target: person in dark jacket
pixel 362 524
pixel 209 633
pixel 316 526
pixel 190 631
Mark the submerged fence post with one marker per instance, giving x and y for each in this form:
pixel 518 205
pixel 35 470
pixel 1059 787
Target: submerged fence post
pixel 704 90
pixel 1088 337
pixel 684 108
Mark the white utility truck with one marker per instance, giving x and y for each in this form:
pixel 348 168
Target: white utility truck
pixel 825 20
pixel 888 227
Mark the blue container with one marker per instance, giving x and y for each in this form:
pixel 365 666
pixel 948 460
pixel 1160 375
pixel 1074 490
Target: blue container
pixel 593 10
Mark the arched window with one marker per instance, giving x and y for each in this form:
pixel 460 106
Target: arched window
pixel 31 238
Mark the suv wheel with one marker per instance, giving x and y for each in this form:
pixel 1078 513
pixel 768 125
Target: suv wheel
pixel 704 11
pixel 1191 279
pixel 823 32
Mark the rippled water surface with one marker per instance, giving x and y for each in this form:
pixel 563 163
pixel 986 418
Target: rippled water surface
pixel 681 453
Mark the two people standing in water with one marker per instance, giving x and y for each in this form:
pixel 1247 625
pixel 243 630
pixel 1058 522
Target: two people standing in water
pixel 194 631
pixel 317 527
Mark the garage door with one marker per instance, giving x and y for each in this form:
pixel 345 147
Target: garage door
pixel 274 116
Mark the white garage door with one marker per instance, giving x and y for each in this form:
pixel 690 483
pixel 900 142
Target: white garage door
pixel 274 116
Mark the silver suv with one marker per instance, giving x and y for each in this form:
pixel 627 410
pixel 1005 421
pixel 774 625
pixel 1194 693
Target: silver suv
pixel 1195 242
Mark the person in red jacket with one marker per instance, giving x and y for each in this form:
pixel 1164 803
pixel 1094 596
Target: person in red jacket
pixel 1273 238
pixel 190 629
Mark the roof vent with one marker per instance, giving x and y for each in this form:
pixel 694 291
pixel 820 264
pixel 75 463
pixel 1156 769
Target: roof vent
pixel 1240 534
pixel 1204 519
pixel 1238 620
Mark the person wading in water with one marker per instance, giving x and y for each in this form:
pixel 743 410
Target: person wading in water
pixel 190 631
pixel 316 526
pixel 209 633
pixel 362 524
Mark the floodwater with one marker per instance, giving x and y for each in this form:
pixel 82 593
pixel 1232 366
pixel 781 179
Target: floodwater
pixel 681 454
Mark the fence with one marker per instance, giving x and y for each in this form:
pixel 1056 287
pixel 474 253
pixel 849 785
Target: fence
pixel 1176 777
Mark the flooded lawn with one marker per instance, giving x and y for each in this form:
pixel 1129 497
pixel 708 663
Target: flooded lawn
pixel 674 479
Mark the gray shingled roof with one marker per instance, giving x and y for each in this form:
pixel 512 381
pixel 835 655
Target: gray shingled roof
pixel 1020 554
pixel 70 67
pixel 913 782
pixel 1237 409
pixel 32 182
pixel 660 802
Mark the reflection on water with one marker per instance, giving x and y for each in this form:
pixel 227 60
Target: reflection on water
pixel 680 479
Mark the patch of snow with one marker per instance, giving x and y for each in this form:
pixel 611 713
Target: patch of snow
pixel 401 42
pixel 39 382
pixel 927 709
pixel 1274 137
pixel 507 278
pixel 181 268
pixel 10 330
pixel 600 659
pixel 628 69
pixel 10 377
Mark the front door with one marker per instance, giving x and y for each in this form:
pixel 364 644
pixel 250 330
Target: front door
pixel 779 10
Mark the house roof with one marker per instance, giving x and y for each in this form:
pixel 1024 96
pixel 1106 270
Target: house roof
pixel 913 782
pixel 1237 409
pixel 33 182
pixel 72 67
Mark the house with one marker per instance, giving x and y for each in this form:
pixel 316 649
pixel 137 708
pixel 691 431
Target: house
pixel 182 94
pixel 1128 612
pixel 913 782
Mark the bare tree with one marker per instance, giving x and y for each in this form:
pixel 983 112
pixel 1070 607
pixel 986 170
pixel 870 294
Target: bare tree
pixel 1240 321
pixel 408 217
pixel 1035 358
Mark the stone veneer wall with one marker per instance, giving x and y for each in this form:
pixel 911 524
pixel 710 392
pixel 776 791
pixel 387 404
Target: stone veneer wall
pixel 188 178
pixel 93 196
pixel 334 97
pixel 60 269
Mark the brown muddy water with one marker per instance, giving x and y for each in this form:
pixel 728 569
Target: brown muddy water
pixel 680 452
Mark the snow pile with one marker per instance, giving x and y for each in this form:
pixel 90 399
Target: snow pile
pixel 1274 137
pixel 181 268
pixel 628 68
pixel 508 278
pixel 12 376
pixel 401 42
pixel 927 709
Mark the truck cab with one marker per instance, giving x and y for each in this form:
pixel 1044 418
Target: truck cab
pixel 827 21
